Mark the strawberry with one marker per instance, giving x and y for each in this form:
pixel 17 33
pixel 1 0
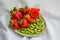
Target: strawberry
pixel 16 15
pixel 30 20
pixel 34 13
pixel 25 11
pixel 28 17
pixel 25 23
pixel 19 13
pixel 15 24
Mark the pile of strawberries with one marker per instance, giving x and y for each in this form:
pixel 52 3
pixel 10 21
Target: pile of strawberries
pixel 23 17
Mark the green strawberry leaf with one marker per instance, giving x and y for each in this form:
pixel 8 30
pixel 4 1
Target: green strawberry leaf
pixel 14 9
pixel 21 9
pixel 26 6
pixel 10 23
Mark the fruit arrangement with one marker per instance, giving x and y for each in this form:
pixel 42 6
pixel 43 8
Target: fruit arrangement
pixel 27 21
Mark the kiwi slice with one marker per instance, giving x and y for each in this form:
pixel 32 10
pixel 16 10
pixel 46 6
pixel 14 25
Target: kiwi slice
pixel 39 31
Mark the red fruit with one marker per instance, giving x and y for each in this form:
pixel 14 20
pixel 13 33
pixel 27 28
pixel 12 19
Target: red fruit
pixel 34 13
pixel 25 23
pixel 28 17
pixel 30 20
pixel 15 24
pixel 19 13
pixel 24 11
pixel 16 15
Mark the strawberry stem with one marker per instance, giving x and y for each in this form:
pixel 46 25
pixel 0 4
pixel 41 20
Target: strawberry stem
pixel 23 8
pixel 26 6
pixel 14 9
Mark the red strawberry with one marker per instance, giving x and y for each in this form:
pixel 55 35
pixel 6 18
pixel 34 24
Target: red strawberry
pixel 19 13
pixel 25 23
pixel 24 11
pixel 28 17
pixel 15 24
pixel 16 15
pixel 34 13
pixel 30 20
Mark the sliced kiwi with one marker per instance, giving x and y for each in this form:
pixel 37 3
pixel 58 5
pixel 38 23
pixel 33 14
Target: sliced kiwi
pixel 41 21
pixel 36 27
pixel 31 31
pixel 32 26
pixel 27 32
pixel 41 26
pixel 39 31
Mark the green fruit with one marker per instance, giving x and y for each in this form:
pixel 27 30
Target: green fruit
pixel 37 20
pixel 37 27
pixel 41 21
pixel 40 31
pixel 35 31
pixel 32 26
pixel 31 31
pixel 22 31
pixel 38 23
pixel 42 26
pixel 27 32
